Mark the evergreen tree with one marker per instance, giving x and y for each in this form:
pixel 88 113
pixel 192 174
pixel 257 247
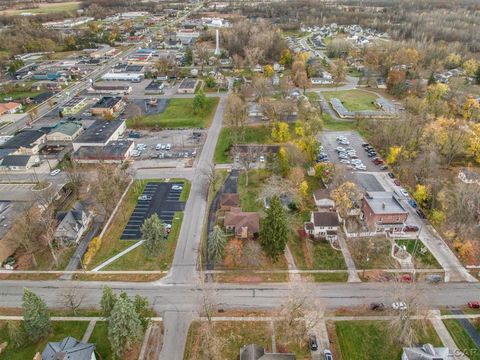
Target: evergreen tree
pixel 153 232
pixel 143 310
pixel 199 102
pixel 108 301
pixel 124 326
pixel 35 315
pixel 477 75
pixel 274 229
pixel 216 244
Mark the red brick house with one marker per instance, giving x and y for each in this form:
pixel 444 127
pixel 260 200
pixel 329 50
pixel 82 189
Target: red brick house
pixel 383 212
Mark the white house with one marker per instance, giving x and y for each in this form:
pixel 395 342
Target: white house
pixel 323 225
pixel 323 200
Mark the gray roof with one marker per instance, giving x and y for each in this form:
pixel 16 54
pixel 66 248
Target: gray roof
pixel 383 202
pixel 107 102
pixel 112 151
pixel 68 349
pixel 325 218
pixel 426 352
pixel 24 139
pixel 15 160
pixel 100 131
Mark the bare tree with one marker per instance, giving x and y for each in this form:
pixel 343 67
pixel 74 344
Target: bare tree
pixel 72 299
pixel 203 54
pixel 252 253
pixel 246 159
pixel 27 232
pixel 235 116
pixel 208 304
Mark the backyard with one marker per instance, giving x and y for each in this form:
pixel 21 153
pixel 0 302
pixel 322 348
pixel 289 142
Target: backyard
pixel 353 100
pixel 179 113
pixel 373 340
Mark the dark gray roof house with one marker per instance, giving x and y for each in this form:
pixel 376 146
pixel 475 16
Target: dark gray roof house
pixel 69 349
pixel 256 352
pixel 72 224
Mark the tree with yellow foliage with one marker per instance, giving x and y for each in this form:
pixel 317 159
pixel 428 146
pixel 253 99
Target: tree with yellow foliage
pixel 448 136
pixel 280 132
pixel 453 60
pixel 268 71
pixel 347 197
pixel 303 189
pixel 473 148
pixel 283 163
pixel 471 109
pixel 422 194
pixel 393 154
pixel 470 66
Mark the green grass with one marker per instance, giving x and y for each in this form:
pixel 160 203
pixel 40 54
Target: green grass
pixel 250 195
pixel 178 114
pixel 371 253
pixel 99 337
pixel 426 260
pixel 323 256
pixel 253 134
pixel 327 277
pixel 353 100
pixel 60 330
pixel 18 95
pixel 355 73
pixel 368 340
pixel 46 9
pixel 462 339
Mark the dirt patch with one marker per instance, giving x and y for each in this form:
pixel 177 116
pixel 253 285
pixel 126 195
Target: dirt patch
pixel 118 277
pixel 154 342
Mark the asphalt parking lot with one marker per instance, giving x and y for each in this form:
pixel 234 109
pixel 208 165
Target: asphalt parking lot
pixel 145 107
pixel 165 201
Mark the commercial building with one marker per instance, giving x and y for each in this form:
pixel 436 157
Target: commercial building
pixel 187 86
pixel 65 131
pixel 114 152
pixel 27 142
pixel 100 133
pixel 18 162
pixel 383 212
pixel 110 88
pixel 112 76
pixel 74 105
pixel 107 106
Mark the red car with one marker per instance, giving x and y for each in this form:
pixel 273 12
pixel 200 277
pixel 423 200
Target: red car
pixel 410 228
pixel 405 278
pixel 396 182
pixel 473 304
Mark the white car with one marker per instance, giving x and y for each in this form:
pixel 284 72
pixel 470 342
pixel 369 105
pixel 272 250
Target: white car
pixel 356 161
pixel 158 147
pixel 262 158
pixel 360 167
pixel 177 187
pixel 344 161
pixel 399 305
pixel 340 138
pixel 168 146
pixel 135 153
pixel 404 192
pixel 327 354
pixel 55 172
pixel 340 149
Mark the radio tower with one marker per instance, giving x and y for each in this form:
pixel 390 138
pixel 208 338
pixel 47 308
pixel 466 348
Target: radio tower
pixel 217 48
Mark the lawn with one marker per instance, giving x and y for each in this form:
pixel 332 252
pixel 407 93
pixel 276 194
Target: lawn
pixel 233 335
pixel 178 114
pixel 462 339
pixel 60 330
pixel 368 340
pixel 250 195
pixel 45 8
pixel 19 94
pixel 253 135
pixel 371 253
pixel 421 261
pixel 326 277
pixel 111 243
pixel 316 255
pixel 353 100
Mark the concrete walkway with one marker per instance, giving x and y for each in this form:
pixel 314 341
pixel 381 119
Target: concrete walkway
pixel 292 276
pixel 352 270
pixel 444 335
pixel 89 331
pixel 119 255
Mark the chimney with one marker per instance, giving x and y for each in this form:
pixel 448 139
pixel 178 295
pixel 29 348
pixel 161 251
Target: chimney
pixel 383 205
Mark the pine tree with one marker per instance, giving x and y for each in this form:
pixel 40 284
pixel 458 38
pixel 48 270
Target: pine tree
pixel 153 232
pixel 124 326
pixel 143 310
pixel 216 244
pixel 35 315
pixel 108 301
pixel 274 230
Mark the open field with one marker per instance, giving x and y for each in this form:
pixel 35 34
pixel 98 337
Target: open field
pixel 178 114
pixel 369 340
pixel 45 8
pixel 353 100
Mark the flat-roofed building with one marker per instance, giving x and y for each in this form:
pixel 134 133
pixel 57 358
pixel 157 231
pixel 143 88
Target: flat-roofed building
pixel 74 105
pixel 382 211
pixel 107 106
pixel 100 133
pixel 110 88
pixel 65 131
pixel 187 86
pixel 116 151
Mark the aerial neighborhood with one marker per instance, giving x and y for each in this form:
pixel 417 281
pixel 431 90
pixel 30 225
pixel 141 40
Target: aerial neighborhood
pixel 209 180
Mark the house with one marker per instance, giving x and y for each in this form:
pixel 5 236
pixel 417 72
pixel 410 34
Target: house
pixel 65 131
pixel 18 162
pixel 426 352
pixel 245 225
pixel 69 348
pixel 107 106
pixel 229 201
pixel 72 224
pixel 254 110
pixel 100 133
pixel 469 176
pixel 323 225
pixel 115 152
pixel 26 142
pixel 187 86
pixel 381 83
pixel 74 105
pixel 383 212
pixel 10 107
pixel 256 352
pixel 322 199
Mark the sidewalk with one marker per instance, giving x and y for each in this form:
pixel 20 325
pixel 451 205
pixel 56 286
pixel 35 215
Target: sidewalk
pixel 352 270
pixel 444 335
pixel 293 276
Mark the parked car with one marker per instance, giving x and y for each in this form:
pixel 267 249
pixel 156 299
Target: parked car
pixel 391 176
pixel 365 145
pixel 474 304
pixel 404 192
pixel 134 134
pixel 405 278
pixel 377 306
pixel 327 354
pixel 168 147
pixel 399 305
pixel 433 278
pixel 410 228
pixel 158 147
pixel 262 158
pixel 397 182
pixel 384 167
pixel 144 198
pixel 412 203
pixel 55 172
pixel 312 341
pixel 378 161
pixel 177 187
pixel 421 214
